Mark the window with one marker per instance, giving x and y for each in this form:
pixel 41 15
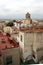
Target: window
pixel 9 60
pixel 21 38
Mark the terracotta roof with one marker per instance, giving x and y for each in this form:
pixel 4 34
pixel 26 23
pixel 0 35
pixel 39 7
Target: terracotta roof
pixel 1 33
pixel 7 43
pixel 19 22
pixel 34 29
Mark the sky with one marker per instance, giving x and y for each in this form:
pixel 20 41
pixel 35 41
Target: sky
pixel 16 9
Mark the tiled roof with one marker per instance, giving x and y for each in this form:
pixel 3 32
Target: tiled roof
pixel 19 22
pixel 7 43
pixel 32 29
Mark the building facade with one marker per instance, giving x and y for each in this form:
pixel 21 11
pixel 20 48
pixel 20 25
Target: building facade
pixel 9 51
pixel 31 44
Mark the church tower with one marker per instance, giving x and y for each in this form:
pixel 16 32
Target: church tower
pixel 27 15
pixel 28 18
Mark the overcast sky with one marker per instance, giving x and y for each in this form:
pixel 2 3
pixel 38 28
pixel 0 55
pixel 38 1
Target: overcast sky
pixel 16 9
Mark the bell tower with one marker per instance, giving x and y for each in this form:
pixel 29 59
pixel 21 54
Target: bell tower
pixel 28 18
pixel 27 15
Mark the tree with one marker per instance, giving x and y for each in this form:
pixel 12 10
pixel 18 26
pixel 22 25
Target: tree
pixel 10 24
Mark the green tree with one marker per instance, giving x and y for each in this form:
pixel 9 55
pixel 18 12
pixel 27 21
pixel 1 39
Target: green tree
pixel 10 24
